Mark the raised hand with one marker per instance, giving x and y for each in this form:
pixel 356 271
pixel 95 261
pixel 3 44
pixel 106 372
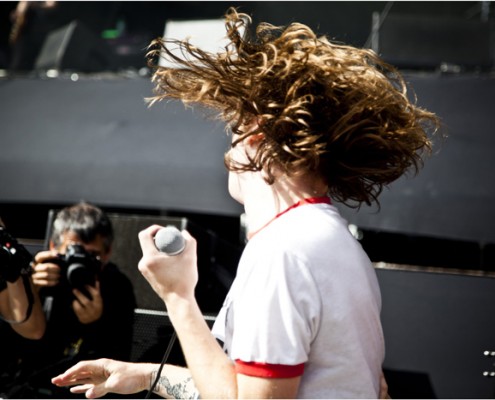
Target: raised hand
pixel 168 275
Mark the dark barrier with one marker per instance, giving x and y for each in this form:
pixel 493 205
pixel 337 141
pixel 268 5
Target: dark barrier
pixel 437 328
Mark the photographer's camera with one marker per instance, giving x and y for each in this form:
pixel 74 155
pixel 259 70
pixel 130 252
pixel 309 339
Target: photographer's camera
pixel 79 268
pixel 15 259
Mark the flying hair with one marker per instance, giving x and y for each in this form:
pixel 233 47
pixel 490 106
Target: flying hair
pixel 323 108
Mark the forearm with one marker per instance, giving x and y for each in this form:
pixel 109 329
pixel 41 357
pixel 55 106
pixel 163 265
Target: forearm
pixel 174 279
pixel 212 371
pixel 174 383
pixel 16 300
pixel 34 327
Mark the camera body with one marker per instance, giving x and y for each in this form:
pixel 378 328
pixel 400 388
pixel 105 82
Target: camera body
pixel 79 268
pixel 15 259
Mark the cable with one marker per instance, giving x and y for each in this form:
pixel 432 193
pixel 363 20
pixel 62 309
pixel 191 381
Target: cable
pixel 164 360
pixel 30 297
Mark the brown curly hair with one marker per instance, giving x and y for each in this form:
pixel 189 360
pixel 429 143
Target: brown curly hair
pixel 325 108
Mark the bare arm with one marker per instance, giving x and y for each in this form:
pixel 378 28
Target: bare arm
pixel 174 383
pixel 174 279
pixel 210 372
pixel 96 378
pixel 14 306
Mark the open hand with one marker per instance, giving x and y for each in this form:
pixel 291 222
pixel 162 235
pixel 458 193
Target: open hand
pixel 96 378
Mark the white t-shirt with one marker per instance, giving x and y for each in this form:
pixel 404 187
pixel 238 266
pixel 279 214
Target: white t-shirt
pixel 306 295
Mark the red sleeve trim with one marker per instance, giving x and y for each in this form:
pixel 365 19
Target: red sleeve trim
pixel 263 370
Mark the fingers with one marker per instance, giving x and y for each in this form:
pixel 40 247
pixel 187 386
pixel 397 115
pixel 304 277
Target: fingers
pixel 44 256
pixel 146 239
pixel 87 377
pixel 82 389
pixel 93 291
pixel 46 274
pixel 76 375
pixel 190 242
pixel 96 378
pixel 88 310
pixel 91 391
pixel 187 235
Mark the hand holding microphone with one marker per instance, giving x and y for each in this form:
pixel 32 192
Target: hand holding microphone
pixel 170 241
pixel 167 274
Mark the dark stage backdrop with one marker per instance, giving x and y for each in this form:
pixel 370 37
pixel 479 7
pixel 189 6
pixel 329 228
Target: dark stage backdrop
pixel 96 139
pixel 453 194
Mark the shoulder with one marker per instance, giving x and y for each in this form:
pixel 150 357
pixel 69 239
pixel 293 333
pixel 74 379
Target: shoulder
pixel 304 231
pixel 312 239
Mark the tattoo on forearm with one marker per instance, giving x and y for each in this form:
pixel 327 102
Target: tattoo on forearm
pixel 182 390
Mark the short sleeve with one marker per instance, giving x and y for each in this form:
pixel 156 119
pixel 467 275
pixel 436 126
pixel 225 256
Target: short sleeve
pixel 276 311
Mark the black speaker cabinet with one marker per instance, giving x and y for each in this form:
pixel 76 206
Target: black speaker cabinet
pixel 426 42
pixel 75 47
pixel 439 332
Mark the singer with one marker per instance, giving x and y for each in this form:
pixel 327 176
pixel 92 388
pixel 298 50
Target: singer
pixel 313 123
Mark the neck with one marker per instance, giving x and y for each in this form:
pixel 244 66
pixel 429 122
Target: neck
pixel 265 202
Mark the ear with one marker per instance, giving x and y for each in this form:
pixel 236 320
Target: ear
pixel 253 140
pixel 106 257
pixel 51 245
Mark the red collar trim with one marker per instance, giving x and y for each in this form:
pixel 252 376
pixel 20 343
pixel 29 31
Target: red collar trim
pixel 310 200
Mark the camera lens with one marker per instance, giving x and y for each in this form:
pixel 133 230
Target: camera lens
pixel 79 276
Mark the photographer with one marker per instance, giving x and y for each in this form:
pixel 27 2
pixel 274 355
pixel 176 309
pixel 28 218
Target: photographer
pixel 89 303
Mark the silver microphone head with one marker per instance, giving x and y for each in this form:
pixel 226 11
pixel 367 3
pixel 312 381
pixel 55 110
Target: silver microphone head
pixel 170 241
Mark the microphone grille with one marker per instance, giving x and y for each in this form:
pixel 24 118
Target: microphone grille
pixel 169 240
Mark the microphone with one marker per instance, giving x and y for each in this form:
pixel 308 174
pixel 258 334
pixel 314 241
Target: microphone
pixel 170 241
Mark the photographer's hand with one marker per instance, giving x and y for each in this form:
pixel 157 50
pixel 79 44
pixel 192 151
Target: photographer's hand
pixel 45 273
pixel 88 310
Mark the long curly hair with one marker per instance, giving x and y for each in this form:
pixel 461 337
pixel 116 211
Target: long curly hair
pixel 323 108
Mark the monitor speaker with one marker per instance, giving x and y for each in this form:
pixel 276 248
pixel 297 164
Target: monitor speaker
pixel 428 42
pixel 75 47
